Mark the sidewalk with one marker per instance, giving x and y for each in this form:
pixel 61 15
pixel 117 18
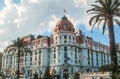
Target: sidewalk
pixel 0 77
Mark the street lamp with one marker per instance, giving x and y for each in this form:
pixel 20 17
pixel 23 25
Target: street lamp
pixel 52 72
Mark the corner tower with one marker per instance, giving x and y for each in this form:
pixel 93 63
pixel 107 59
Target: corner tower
pixel 64 46
pixel 64 32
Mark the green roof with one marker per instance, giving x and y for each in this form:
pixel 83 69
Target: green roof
pixel 64 18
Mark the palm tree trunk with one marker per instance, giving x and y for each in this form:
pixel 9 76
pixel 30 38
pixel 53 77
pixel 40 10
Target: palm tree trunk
pixel 112 45
pixel 18 64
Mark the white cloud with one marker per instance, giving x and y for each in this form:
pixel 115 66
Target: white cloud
pixel 21 10
pixel 2 31
pixel 8 3
pixel 38 16
pixel 78 3
pixel 53 20
pixel 34 1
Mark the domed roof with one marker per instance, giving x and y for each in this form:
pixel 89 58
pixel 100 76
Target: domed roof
pixel 64 25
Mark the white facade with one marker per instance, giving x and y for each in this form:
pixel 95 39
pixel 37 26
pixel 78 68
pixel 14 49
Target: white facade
pixel 65 51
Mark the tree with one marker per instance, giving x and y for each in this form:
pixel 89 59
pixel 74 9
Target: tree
pixel 20 47
pixel 106 11
pixel 105 68
pixel 0 60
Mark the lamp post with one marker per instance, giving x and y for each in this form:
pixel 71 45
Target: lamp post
pixel 41 75
pixel 52 72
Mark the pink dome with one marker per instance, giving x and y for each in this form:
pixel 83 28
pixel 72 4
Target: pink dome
pixel 64 25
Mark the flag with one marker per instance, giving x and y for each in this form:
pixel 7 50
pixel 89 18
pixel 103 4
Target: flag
pixel 65 11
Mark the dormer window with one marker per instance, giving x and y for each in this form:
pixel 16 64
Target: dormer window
pixel 65 26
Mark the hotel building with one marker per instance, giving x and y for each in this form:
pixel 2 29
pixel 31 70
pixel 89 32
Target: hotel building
pixel 65 51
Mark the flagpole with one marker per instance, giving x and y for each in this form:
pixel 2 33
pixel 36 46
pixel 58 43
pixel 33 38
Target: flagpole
pixel 64 13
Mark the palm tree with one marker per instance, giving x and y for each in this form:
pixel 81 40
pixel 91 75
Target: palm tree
pixel 106 11
pixel 20 47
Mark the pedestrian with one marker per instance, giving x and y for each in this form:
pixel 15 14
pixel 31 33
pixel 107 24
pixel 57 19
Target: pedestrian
pixel 35 75
pixel 32 76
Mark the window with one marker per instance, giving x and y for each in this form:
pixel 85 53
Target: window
pixel 35 52
pixel 75 61
pixel 65 36
pixel 35 58
pixel 88 56
pixel 30 58
pixel 54 49
pixel 70 29
pixel 65 48
pixel 91 56
pixel 73 38
pixel 30 53
pixel 60 37
pixel 88 51
pixel 88 62
pixel 101 58
pixel 69 37
pixel 39 57
pixel 65 41
pixel 104 59
pixel 65 55
pixel 56 38
pixel 49 56
pixel 54 56
pixel 108 58
pixel 65 26
pixel 39 51
pixel 75 50
pixel 75 56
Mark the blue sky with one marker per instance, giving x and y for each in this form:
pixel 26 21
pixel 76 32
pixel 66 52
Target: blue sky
pixel 19 18
pixel 1 4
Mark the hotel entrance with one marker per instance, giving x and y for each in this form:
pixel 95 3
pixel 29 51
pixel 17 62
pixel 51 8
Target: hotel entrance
pixel 65 73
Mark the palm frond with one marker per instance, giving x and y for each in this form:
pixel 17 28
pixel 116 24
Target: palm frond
pixel 104 25
pixel 102 3
pixel 114 3
pixel 90 10
pixel 116 13
pixel 96 17
pixel 117 22
pixel 105 9
pixel 100 20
